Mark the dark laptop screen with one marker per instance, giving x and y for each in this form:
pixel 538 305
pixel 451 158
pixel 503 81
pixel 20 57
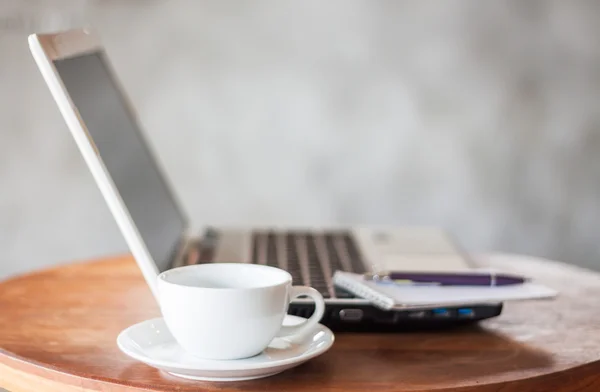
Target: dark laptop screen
pixel 124 152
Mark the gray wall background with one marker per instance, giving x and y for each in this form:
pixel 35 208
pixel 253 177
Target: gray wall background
pixel 481 117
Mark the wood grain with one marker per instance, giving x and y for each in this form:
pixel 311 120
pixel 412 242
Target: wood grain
pixel 58 329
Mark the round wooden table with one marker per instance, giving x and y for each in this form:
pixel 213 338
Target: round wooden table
pixel 58 329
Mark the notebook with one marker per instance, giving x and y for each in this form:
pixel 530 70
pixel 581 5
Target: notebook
pixel 392 296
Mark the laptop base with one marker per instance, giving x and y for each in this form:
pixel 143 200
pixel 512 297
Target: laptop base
pixel 367 318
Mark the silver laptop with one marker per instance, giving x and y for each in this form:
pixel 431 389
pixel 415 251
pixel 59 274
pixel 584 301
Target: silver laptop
pixel 76 68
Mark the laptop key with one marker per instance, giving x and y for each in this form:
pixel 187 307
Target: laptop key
pixel 356 260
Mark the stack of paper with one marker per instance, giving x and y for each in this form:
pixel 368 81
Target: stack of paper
pixel 397 296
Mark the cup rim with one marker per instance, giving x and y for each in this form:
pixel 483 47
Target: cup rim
pixel 162 277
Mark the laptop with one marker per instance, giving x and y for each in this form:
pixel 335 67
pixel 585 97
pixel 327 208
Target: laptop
pixel 75 66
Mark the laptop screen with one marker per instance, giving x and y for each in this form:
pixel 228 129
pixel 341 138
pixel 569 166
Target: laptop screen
pixel 120 144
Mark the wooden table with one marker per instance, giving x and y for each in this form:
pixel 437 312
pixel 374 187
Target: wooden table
pixel 58 330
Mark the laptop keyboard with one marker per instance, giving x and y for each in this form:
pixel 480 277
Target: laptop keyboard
pixel 311 258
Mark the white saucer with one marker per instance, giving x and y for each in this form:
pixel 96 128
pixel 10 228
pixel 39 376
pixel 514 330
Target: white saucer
pixel 151 342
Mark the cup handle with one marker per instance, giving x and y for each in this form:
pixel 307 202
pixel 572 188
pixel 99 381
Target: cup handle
pixel 297 291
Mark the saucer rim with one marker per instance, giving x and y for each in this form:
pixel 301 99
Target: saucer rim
pixel 226 365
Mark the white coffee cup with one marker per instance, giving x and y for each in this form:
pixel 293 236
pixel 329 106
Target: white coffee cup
pixel 230 310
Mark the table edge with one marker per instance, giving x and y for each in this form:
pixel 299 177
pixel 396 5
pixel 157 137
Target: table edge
pixel 587 378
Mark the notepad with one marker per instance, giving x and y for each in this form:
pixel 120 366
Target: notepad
pixel 391 296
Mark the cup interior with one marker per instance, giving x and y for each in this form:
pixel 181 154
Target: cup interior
pixel 226 276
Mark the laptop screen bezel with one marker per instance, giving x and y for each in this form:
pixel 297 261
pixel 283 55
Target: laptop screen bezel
pixel 47 48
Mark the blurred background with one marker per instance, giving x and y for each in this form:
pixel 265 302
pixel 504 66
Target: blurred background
pixel 479 117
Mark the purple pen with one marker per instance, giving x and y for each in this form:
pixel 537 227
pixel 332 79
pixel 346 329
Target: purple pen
pixel 448 279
